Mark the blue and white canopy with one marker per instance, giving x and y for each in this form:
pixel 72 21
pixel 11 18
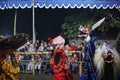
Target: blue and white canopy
pixel 60 3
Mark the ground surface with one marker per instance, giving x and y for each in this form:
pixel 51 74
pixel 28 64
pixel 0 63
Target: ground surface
pixel 38 77
pixel 35 77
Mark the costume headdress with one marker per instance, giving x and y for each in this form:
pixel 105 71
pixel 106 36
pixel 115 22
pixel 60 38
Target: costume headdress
pixel 58 42
pixel 88 30
pixel 8 45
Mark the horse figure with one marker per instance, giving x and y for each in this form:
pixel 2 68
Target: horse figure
pixel 107 62
pixel 9 68
pixel 88 72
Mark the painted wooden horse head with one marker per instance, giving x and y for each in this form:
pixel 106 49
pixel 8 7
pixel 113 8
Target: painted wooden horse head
pixel 87 30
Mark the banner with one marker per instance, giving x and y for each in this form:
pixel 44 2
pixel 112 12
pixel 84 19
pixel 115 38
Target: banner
pixel 60 4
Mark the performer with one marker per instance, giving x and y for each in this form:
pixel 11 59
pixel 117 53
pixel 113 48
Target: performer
pixel 107 62
pixel 58 60
pixel 9 68
pixel 89 39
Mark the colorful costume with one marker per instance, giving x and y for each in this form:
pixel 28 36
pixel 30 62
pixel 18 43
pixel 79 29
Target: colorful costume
pixel 88 71
pixel 9 68
pixel 107 62
pixel 58 60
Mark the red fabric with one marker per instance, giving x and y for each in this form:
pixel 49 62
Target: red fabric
pixel 50 40
pixel 60 74
pixel 59 78
pixel 60 51
pixel 73 48
pixel 63 75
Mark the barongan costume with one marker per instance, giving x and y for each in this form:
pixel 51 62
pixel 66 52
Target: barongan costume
pixel 9 68
pixel 107 62
pixel 58 60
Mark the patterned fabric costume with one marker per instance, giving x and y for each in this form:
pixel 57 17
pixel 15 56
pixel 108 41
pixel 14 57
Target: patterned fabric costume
pixel 9 68
pixel 58 60
pixel 88 71
pixel 107 62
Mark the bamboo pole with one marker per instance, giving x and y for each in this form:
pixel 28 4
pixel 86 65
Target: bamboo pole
pixel 15 20
pixel 34 38
pixel 33 13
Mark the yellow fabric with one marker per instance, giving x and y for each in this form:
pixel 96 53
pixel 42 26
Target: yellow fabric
pixel 9 70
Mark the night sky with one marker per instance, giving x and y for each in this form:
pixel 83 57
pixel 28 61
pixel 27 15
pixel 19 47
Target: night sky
pixel 47 21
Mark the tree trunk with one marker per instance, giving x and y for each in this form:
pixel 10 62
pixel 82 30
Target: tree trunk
pixel 117 43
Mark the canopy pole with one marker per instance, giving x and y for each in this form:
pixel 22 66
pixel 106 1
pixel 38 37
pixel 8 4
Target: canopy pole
pixel 34 37
pixel 33 12
pixel 15 20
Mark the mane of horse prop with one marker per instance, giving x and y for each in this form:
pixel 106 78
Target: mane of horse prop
pixel 58 60
pixel 88 72
pixel 9 67
pixel 107 62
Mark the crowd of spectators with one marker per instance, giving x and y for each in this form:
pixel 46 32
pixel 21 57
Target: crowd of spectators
pixel 41 61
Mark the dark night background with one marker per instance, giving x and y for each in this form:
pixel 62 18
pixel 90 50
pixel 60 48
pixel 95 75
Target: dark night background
pixel 47 21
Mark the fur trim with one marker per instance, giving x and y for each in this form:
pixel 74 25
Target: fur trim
pixel 116 63
pixel 99 63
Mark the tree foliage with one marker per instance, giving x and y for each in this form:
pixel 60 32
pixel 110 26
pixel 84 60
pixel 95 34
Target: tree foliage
pixel 87 17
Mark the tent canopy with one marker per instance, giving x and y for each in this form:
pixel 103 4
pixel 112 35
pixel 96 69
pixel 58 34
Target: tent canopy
pixel 60 4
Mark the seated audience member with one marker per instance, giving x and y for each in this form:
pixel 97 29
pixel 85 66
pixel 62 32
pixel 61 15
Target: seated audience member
pixel 38 64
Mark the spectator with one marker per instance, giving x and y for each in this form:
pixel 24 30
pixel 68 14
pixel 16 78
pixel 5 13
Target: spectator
pixel 37 44
pixel 38 64
pixel 28 62
pixel 80 47
pixel 41 47
pixel 47 67
pixel 21 64
pixel 47 47
pixel 68 48
pixel 73 47
pixel 35 47
pixel 74 60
